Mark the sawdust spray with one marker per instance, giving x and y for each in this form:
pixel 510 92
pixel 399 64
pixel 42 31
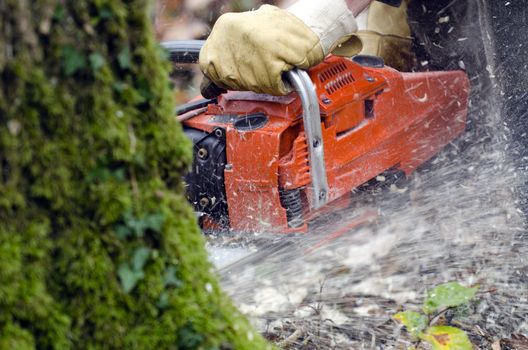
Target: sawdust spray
pixel 457 219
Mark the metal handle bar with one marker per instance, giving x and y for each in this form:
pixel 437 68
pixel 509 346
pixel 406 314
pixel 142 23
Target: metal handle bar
pixel 189 51
pixel 183 51
pixel 302 83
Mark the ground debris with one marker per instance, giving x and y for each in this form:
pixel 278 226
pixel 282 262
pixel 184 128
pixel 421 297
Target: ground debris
pixel 516 342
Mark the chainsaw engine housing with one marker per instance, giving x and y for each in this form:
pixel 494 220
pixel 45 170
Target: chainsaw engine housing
pixel 251 169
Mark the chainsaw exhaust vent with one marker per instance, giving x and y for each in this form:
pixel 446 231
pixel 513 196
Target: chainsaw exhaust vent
pixel 336 77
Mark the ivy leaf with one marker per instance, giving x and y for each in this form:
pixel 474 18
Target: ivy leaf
pixel 447 295
pixel 163 53
pixel 135 225
pixel 413 321
pixel 59 13
pixel 128 277
pixel 96 61
pixel 73 60
pixel 170 279
pixel 122 232
pixel 163 300
pixel 119 174
pixel 447 338
pixel 144 90
pixel 138 226
pixel 188 337
pixel 119 86
pixel 140 257
pixel 154 222
pixel 105 12
pixel 123 58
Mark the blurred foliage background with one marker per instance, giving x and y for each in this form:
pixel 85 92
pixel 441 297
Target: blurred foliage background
pixel 193 19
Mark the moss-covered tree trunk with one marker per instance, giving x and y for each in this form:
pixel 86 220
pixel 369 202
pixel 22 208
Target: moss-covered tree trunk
pixel 98 248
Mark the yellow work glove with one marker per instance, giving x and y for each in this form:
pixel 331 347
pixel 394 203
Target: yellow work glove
pixel 251 50
pixel 383 31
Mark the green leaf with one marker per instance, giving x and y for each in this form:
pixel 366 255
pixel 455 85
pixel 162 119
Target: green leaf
pixel 59 13
pixel 119 86
pixel 170 279
pixel 135 225
pixel 188 337
pixel 447 338
pixel 140 257
pixel 123 58
pixel 128 277
pixel 163 300
pixel 96 61
pixel 119 174
pixel 105 12
pixel 144 90
pixel 154 222
pixel 73 60
pixel 138 226
pixel 447 295
pixel 122 232
pixel 163 53
pixel 413 321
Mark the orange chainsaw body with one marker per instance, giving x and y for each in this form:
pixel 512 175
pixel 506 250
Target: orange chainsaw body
pixel 373 119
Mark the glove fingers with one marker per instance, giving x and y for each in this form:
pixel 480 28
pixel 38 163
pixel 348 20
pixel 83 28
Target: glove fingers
pixel 251 50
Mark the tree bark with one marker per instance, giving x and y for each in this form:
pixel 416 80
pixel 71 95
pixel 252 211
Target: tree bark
pixel 98 247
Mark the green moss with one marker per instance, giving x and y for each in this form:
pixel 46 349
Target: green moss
pixel 98 247
pixel 14 337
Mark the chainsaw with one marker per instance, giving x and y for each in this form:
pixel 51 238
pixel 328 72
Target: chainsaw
pixel 267 163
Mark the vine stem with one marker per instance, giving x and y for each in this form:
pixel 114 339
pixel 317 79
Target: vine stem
pixel 432 318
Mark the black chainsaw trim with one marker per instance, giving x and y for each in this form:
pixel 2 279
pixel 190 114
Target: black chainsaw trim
pixel 291 201
pixel 204 184
pixel 187 107
pixel 369 61
pixel 251 121
pixel 394 3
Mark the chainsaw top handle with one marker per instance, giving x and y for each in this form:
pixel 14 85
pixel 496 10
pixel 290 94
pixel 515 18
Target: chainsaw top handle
pixel 188 51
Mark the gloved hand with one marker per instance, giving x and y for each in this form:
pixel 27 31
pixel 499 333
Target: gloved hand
pixel 251 50
pixel 383 31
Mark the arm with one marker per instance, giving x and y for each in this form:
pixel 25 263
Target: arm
pixel 357 6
